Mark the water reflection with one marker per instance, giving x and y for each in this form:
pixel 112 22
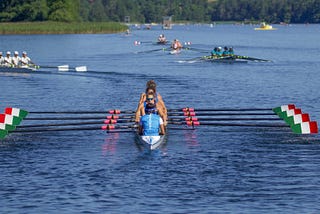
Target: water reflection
pixel 109 147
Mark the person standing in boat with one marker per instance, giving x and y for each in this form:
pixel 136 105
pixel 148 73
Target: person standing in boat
pixel 151 123
pixel 8 60
pixel 176 45
pixel 1 59
pixel 16 59
pixel 25 60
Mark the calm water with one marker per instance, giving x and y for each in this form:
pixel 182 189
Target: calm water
pixel 207 170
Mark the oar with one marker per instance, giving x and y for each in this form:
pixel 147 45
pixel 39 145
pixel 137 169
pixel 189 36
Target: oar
pixel 118 111
pixel 64 67
pixel 198 50
pixel 251 58
pixel 190 109
pixel 265 125
pixel 62 124
pixel 77 128
pixel 224 119
pixel 220 114
pixel 80 118
pixel 154 50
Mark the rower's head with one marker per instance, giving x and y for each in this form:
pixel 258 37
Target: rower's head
pixel 16 53
pixel 151 84
pixel 225 48
pixel 8 53
pixel 150 90
pixel 150 98
pixel 24 53
pixel 0 53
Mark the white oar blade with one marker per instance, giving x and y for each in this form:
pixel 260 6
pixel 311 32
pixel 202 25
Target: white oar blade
pixel 63 68
pixel 81 69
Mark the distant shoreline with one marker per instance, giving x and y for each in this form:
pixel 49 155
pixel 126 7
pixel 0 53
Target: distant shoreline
pixel 25 28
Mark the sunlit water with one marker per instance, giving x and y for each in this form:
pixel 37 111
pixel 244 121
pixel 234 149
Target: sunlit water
pixel 206 170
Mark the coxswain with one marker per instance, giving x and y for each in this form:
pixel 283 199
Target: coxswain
pixel 1 59
pixel 16 59
pixel 176 45
pixel 25 60
pixel 8 60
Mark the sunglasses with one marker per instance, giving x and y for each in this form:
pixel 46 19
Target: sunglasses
pixel 149 99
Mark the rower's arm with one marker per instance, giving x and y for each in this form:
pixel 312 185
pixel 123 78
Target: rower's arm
pixel 161 102
pixel 142 98
pixel 162 130
pixel 139 113
pixel 162 114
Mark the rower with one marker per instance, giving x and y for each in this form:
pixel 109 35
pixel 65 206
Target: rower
pixel 225 51
pixel 25 60
pixel 16 59
pixel 219 52
pixel 176 45
pixel 151 123
pixel 214 53
pixel 1 59
pixel 8 60
pixel 231 51
pixel 162 39
pixel 151 89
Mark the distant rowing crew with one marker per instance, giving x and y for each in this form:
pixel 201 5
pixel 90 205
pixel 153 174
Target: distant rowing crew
pixel 15 61
pixel 218 52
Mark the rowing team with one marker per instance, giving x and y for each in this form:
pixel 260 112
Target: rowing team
pixel 175 45
pixel 151 113
pixel 15 61
pixel 217 52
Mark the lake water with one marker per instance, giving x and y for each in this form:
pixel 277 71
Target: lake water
pixel 207 170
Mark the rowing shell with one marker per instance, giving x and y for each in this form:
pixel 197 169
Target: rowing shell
pixel 22 70
pixel 176 51
pixel 225 60
pixel 150 142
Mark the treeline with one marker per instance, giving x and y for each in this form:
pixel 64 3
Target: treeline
pixel 147 11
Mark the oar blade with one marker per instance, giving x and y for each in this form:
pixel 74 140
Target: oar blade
pixel 63 68
pixel 81 69
pixel 3 133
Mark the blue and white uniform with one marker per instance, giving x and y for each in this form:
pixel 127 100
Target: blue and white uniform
pixel 151 124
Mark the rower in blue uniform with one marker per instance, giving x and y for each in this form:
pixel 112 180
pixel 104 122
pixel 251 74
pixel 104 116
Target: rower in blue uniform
pixel 151 123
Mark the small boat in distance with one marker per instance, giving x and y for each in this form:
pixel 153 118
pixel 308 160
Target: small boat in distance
pixel 264 26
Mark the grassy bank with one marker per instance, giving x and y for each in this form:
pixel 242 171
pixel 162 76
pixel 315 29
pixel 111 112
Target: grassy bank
pixel 60 28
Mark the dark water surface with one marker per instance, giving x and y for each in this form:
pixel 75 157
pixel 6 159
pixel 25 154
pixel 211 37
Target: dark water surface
pixel 207 170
